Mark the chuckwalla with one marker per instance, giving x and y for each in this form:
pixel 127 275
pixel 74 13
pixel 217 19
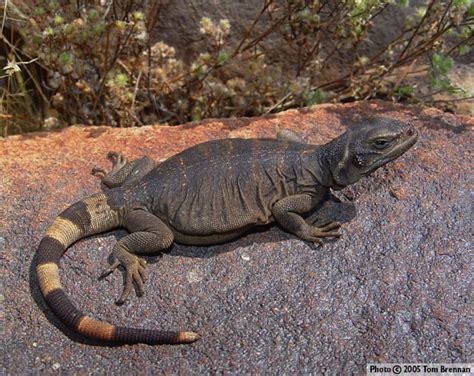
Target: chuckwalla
pixel 210 193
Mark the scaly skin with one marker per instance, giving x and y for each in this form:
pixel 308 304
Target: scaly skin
pixel 210 193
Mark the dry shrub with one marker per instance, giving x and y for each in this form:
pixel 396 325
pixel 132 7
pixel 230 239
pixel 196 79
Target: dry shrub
pixel 98 65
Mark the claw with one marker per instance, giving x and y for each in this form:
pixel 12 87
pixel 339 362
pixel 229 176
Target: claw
pixel 318 241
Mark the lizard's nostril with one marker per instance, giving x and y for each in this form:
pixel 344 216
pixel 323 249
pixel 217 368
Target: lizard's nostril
pixel 409 132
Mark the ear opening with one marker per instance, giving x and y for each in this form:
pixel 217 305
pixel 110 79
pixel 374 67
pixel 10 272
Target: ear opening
pixel 357 161
pixel 340 172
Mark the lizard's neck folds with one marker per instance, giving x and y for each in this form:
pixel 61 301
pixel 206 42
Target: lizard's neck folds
pixel 321 161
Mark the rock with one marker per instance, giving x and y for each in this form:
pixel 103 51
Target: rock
pixel 393 288
pixel 178 26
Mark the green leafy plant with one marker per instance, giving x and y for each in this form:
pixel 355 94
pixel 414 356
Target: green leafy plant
pixel 82 62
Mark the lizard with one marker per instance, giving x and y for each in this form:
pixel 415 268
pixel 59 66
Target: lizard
pixel 210 193
pixel 125 171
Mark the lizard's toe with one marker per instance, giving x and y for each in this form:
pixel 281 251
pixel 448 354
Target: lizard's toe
pixel 110 270
pixel 330 226
pixel 98 172
pixel 127 289
pixel 326 230
pixel 112 156
pixel 140 283
pixel 311 238
pixel 325 234
pixel 135 272
pixel 118 160
pixel 143 270
pixel 316 234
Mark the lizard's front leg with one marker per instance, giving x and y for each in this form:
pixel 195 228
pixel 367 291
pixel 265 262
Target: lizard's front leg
pixel 332 210
pixel 288 213
pixel 148 235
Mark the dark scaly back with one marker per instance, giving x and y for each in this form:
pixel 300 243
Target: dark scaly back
pixel 224 185
pixel 92 215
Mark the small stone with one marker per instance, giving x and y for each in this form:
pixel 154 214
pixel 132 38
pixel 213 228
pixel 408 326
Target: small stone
pixel 56 366
pixel 194 276
pixel 35 344
pixel 245 257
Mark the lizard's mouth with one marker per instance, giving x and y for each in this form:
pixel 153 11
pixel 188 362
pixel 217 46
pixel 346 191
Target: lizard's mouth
pixel 399 149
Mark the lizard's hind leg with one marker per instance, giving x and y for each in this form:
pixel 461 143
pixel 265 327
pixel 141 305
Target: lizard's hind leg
pixel 148 235
pixel 123 171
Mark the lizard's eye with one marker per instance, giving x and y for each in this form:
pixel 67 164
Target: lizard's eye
pixel 381 143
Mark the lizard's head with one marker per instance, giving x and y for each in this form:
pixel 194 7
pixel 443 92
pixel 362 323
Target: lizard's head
pixel 370 145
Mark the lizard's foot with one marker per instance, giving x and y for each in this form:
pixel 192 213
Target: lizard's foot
pixel 135 272
pixel 99 172
pixel 123 171
pixel 117 175
pixel 315 234
pixel 118 162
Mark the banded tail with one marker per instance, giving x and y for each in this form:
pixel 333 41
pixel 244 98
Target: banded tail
pixel 84 218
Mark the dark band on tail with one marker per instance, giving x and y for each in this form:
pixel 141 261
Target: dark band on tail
pixel 87 217
pixel 50 250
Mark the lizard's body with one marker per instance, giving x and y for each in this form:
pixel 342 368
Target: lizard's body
pixel 238 180
pixel 207 194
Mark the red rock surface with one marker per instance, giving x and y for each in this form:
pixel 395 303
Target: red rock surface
pixel 394 288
